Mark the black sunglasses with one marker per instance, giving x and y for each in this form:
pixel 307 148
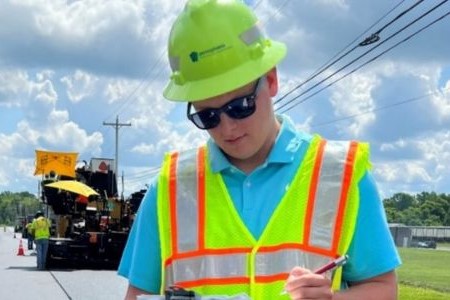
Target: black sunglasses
pixel 238 108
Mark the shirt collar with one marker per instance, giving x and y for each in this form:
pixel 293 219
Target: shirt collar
pixel 287 143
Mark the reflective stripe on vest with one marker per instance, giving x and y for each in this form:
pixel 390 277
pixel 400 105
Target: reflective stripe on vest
pixel 232 268
pixel 190 264
pixel 184 186
pixel 327 197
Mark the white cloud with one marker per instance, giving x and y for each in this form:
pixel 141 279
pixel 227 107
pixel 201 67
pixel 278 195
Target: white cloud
pixel 352 97
pixel 441 100
pixel 306 125
pixel 144 148
pixel 79 85
pixel 428 170
pixel 170 137
pixel 63 133
pixel 9 143
pixel 58 134
pixel 15 87
pixel 396 146
pixel 16 174
pixel 342 4
pixel 81 34
pixel 436 149
pixel 16 149
pixel 119 89
pixel 403 174
pixel 66 66
pixel 45 92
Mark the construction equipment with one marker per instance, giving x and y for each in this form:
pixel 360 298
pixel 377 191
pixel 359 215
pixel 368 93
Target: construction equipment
pixel 90 224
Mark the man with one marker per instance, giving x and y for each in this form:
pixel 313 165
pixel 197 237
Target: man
pixel 41 227
pixel 30 235
pixel 261 206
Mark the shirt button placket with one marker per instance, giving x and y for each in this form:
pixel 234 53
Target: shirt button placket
pixel 246 197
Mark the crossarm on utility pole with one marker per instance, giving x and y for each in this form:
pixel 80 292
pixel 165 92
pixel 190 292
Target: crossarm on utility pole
pixel 117 126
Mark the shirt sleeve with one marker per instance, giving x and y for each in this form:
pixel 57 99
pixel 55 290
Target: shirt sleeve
pixel 372 251
pixel 141 259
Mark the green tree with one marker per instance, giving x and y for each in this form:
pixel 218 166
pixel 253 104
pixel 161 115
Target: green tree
pixel 426 208
pixel 13 205
pixel 400 201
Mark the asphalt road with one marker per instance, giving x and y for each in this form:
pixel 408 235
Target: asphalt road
pixel 19 278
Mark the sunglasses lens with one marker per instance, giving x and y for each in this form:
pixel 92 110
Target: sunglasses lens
pixel 206 119
pixel 238 108
pixel 241 108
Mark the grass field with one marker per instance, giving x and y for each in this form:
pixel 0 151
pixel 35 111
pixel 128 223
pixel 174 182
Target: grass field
pixel 424 275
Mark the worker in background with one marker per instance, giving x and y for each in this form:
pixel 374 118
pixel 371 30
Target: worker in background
pixel 41 227
pixel 262 205
pixel 30 235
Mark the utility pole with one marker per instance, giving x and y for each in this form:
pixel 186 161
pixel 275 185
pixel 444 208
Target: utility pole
pixel 117 126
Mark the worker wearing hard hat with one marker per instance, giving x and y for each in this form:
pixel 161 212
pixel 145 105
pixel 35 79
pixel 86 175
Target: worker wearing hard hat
pixel 41 228
pixel 261 206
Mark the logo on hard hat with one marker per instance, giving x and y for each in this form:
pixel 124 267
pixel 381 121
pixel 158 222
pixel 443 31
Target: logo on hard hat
pixel 196 56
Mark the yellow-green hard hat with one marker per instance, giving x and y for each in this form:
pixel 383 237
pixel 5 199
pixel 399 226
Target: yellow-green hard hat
pixel 216 46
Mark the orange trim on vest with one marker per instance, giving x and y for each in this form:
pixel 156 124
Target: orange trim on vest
pixel 232 280
pixel 346 179
pixel 271 278
pixel 312 191
pixel 205 252
pixel 201 197
pixel 214 281
pixel 302 247
pixel 305 245
pixel 322 251
pixel 173 200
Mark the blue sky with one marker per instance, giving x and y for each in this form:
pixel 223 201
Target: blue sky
pixel 68 66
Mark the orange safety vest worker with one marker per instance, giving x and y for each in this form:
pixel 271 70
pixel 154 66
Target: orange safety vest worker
pixel 207 248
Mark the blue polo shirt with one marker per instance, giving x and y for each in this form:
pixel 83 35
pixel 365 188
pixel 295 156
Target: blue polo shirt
pixel 255 197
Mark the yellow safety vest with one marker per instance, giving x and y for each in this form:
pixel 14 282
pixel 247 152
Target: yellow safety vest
pixel 41 227
pixel 206 246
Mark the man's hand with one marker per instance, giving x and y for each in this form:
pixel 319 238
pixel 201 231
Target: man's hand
pixel 133 292
pixel 304 284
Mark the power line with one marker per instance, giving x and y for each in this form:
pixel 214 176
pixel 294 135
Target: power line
pixel 143 83
pixel 257 4
pixel 145 178
pixel 414 99
pixel 330 62
pixel 362 55
pixel 149 80
pixel 274 13
pixel 398 17
pixel 369 61
pixel 144 173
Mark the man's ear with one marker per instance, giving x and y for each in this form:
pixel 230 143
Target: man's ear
pixel 272 82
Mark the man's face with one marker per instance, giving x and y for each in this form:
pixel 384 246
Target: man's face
pixel 250 138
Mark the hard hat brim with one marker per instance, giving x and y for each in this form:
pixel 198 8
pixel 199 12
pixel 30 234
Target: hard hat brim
pixel 214 86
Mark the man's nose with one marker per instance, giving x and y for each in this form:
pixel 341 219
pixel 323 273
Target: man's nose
pixel 227 123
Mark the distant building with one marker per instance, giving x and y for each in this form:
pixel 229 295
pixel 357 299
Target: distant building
pixel 401 234
pixel 435 233
pixel 408 236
